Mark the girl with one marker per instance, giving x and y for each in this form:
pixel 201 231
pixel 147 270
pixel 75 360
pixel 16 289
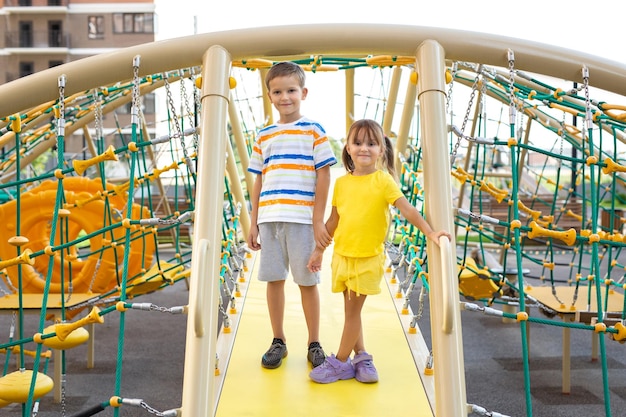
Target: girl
pixel 358 224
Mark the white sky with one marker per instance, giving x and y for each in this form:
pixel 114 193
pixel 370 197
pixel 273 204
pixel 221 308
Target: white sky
pixel 591 27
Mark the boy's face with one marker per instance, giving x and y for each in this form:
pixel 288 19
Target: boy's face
pixel 286 94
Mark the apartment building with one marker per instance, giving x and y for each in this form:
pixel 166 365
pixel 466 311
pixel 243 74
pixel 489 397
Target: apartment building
pixel 39 34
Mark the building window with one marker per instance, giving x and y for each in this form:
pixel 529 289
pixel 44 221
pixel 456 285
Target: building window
pixel 55 34
pixel 26 34
pixel 26 68
pixel 54 63
pixel 95 27
pixel 133 23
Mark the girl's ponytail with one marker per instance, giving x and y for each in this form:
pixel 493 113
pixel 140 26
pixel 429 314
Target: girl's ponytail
pixel 389 159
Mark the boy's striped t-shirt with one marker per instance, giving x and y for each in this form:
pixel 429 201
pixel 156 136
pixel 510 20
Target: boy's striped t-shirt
pixel 287 156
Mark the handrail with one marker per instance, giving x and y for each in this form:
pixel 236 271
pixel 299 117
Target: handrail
pixel 447 297
pixel 204 271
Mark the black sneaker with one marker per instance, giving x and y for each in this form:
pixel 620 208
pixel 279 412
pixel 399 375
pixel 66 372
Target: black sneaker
pixel 316 354
pixel 274 355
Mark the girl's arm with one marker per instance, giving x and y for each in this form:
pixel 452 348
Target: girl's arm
pixel 414 217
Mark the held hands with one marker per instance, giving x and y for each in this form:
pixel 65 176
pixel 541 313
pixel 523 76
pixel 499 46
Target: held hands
pixel 322 240
pixel 315 261
pixel 322 237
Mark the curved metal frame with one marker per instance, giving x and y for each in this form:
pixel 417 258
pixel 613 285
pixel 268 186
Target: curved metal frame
pixel 282 42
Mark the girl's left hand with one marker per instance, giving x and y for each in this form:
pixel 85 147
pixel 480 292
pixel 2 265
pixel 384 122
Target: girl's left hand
pixel 434 236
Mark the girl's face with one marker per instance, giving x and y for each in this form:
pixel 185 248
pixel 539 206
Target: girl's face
pixel 364 149
pixel 286 94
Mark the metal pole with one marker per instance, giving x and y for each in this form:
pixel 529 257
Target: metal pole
pixel 267 104
pixel 392 98
pixel 200 353
pixel 349 98
pixel 236 188
pixel 450 396
pixel 405 122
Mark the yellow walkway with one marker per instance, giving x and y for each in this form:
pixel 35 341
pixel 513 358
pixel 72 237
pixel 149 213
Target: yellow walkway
pixel 250 390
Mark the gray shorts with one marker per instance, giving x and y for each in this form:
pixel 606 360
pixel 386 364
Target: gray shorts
pixel 284 247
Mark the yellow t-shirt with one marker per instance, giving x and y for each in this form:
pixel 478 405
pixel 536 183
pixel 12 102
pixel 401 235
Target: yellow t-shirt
pixel 362 203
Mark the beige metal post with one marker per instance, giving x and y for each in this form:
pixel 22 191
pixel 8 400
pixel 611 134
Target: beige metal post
pixel 244 158
pixel 236 189
pixel 445 316
pixel 267 104
pixel 392 98
pixel 200 352
pixel 349 98
pixel 405 122
pixel 240 142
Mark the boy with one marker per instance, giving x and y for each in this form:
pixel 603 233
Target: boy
pixel 291 159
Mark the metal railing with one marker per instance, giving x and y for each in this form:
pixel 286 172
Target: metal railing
pixel 36 39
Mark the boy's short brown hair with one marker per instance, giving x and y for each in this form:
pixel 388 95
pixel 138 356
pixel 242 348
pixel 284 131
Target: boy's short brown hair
pixel 285 69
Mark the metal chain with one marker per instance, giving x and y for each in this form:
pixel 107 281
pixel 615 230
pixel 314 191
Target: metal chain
pixel 188 110
pixel 512 112
pixel 225 317
pixel 561 141
pixel 12 327
pixel 63 395
pixel 520 121
pixel 185 100
pixel 588 119
pixel 420 305
pixel 97 111
pixel 455 68
pixel 198 103
pixel 178 133
pixel 467 114
pixel 154 307
pixel 135 97
pixel 61 119
pixel 94 301
pixel 151 410
pixel 160 309
pixel 10 286
pixel 93 277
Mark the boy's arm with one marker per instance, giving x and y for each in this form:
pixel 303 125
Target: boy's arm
pixel 414 217
pixel 253 236
pixel 322 237
pixel 315 260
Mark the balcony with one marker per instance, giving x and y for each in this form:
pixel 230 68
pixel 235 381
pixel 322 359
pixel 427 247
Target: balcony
pixel 37 39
